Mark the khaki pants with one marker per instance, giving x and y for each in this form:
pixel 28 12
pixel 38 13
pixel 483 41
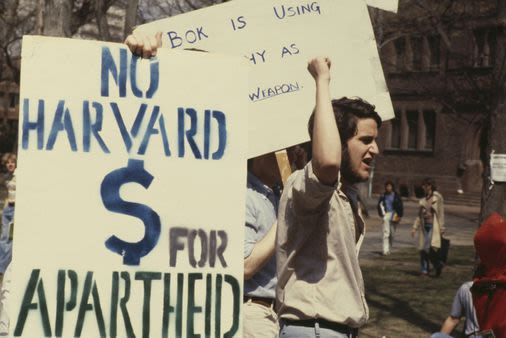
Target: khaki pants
pixel 259 321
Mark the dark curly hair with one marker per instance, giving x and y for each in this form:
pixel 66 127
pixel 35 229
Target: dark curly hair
pixel 347 112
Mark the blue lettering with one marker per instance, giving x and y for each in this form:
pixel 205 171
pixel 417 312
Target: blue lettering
pixel 127 137
pixel 290 11
pixel 222 134
pixel 174 37
pixel 109 66
pixel 253 57
pixel 201 34
pixel 241 23
pixel 62 121
pixel 290 50
pixel 191 36
pixel 151 130
pixel 154 74
pixel 93 128
pixel 190 133
pixel 38 126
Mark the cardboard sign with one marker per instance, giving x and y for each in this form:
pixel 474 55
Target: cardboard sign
pixel 386 5
pixel 278 38
pixel 119 227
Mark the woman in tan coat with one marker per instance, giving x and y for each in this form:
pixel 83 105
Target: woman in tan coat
pixel 430 224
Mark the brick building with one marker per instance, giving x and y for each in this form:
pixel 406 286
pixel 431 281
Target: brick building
pixel 438 59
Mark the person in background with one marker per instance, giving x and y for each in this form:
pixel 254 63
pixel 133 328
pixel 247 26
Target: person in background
pixel 390 208
pixel 462 307
pixel 8 212
pixel 260 319
pixel 430 224
pixel 10 162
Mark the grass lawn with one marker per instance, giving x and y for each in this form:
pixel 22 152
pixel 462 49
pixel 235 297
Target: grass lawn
pixel 404 304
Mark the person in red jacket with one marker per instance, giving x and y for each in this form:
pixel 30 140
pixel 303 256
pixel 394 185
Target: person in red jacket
pixel 489 288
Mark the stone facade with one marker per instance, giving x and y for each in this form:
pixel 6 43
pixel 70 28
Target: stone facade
pixel 438 60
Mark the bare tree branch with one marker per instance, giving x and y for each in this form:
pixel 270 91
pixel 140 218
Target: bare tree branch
pixel 101 17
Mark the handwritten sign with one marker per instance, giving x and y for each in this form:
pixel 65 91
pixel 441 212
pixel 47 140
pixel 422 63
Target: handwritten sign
pixel 278 38
pixel 119 231
pixel 387 5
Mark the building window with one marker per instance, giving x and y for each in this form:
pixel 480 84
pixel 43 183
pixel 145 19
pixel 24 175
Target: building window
pixel 484 47
pixel 417 52
pixel 434 44
pixel 400 53
pixel 412 119
pixel 429 118
pixel 395 140
pixel 412 130
pixel 13 100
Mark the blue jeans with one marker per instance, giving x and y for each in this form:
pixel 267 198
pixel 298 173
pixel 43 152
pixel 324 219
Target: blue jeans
pixel 296 331
pixel 5 242
pixel 424 253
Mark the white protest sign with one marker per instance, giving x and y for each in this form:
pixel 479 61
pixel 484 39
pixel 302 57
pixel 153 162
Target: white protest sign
pixel 278 37
pixel 387 5
pixel 498 167
pixel 131 192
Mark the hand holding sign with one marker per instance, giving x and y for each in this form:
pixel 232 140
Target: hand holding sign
pixel 277 39
pixel 144 45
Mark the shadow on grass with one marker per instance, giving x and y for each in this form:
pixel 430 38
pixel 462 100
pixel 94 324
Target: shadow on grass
pixel 401 309
pixel 404 304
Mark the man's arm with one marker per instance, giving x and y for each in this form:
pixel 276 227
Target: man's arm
pixel 326 142
pixel 261 253
pixel 449 325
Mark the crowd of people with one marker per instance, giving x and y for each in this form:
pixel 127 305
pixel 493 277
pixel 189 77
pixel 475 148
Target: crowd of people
pixel 302 276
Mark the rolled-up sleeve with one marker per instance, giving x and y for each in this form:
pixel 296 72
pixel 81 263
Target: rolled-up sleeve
pixel 308 193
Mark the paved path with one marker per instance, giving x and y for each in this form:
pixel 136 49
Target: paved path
pixel 461 224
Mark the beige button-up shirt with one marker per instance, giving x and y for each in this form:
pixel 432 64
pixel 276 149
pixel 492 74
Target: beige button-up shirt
pixel 317 253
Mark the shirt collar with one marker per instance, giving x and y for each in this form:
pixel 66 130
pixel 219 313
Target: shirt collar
pixel 255 183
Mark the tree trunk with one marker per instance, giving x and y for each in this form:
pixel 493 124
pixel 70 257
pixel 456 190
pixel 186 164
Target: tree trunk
pixel 130 17
pixel 58 17
pixel 494 195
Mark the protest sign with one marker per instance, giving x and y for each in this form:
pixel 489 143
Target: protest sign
pixel 278 38
pixel 119 229
pixel 387 5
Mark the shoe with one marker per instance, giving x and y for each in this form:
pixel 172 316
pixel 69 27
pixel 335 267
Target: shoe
pixel 386 253
pixel 424 274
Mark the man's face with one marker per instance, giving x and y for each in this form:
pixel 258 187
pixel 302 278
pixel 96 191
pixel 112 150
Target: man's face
pixel 388 188
pixel 361 150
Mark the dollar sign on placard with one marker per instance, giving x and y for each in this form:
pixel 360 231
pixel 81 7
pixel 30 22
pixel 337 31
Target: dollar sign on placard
pixel 134 172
